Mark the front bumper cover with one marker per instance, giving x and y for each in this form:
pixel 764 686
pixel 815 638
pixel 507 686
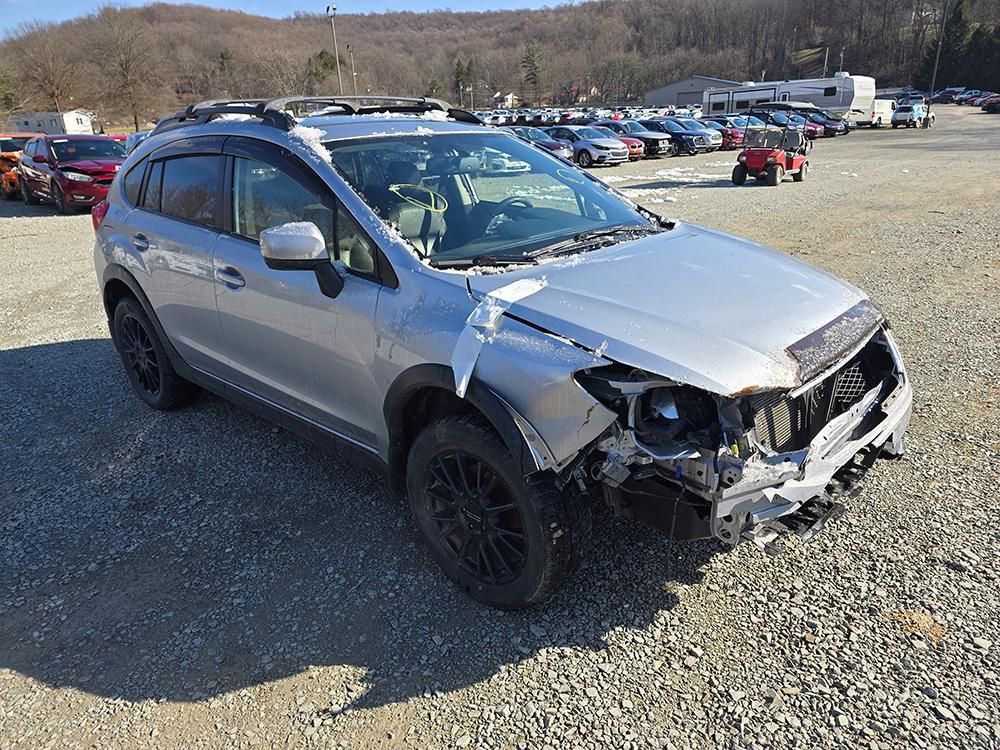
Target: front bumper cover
pixel 781 485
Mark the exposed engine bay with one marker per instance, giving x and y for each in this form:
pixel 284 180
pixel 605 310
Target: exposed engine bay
pixel 697 464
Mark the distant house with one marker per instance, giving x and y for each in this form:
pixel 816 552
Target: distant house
pixel 684 91
pixel 506 101
pixel 76 121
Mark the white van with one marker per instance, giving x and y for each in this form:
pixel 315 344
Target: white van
pixel 881 113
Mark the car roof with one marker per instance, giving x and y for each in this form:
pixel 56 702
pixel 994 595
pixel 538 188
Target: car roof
pixel 341 127
pixel 75 136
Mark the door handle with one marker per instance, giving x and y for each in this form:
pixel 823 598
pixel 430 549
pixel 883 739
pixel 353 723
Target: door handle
pixel 230 277
pixel 140 241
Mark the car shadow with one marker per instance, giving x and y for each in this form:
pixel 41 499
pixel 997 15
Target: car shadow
pixel 17 209
pixel 680 183
pixel 183 555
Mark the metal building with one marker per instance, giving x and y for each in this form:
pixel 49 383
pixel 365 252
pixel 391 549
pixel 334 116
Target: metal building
pixel 684 91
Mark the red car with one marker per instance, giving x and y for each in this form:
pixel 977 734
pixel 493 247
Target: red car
pixel 732 137
pixel 636 148
pixel 72 171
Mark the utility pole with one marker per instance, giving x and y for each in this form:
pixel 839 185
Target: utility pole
pixel 937 59
pixel 354 73
pixel 826 60
pixel 841 68
pixel 331 11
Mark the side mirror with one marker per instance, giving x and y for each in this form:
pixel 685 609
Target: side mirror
pixel 300 246
pixel 40 159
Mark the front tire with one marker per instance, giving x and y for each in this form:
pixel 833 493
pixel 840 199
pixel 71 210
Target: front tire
pixel 146 363
pixel 774 175
pixel 62 205
pixel 508 540
pixel 585 160
pixel 739 174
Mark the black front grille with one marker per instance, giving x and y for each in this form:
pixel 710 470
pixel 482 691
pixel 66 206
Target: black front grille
pixel 786 424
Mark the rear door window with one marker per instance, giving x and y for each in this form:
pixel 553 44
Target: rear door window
pixel 190 188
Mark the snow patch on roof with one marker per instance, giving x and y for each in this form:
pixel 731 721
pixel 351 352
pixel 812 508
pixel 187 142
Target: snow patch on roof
pixel 312 138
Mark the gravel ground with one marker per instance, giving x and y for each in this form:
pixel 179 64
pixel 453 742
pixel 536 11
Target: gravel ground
pixel 203 579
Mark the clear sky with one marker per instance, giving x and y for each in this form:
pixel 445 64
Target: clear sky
pixel 14 12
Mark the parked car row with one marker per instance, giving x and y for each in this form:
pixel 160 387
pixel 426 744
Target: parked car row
pixel 590 141
pixel 71 171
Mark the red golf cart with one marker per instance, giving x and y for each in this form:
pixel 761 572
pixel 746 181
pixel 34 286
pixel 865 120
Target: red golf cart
pixel 769 155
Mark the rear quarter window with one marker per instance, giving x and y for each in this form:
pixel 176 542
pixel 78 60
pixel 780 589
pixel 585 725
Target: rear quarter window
pixel 132 183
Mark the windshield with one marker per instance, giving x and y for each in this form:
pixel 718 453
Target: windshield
pixel 674 127
pixel 606 132
pixel 12 144
pixel 711 124
pixel 590 133
pixel 86 148
pixel 779 118
pixel 631 126
pixel 460 196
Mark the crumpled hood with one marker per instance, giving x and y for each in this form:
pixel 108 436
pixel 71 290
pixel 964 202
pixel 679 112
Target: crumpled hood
pixel 690 304
pixel 91 166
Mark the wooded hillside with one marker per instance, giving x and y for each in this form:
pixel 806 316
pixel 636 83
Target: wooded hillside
pixel 137 63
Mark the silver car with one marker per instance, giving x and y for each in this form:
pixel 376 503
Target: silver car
pixel 509 349
pixel 590 146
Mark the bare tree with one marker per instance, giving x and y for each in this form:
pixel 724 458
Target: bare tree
pixel 46 78
pixel 130 61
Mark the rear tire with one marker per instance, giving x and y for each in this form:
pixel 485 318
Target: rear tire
pixel 26 194
pixel 585 160
pixel 739 174
pixel 146 363
pixel 800 176
pixel 774 175
pixel 506 539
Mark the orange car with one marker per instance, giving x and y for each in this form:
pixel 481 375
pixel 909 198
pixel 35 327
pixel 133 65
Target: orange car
pixel 11 146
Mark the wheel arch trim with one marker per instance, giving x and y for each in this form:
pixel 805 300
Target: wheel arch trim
pixel 429 376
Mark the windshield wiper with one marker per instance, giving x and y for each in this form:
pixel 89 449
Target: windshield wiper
pixel 483 260
pixel 583 239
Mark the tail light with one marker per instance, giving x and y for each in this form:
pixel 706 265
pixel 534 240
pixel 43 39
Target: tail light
pixel 98 212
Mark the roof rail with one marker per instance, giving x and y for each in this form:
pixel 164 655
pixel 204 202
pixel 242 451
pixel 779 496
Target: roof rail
pixel 276 112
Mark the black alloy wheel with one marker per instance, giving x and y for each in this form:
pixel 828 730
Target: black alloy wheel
pixel 476 517
pixel 140 355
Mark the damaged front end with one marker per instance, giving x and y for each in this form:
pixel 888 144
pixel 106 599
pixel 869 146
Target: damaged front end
pixel 756 464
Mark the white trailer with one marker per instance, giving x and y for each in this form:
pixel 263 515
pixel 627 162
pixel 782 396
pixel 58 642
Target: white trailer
pixel 73 122
pixel 844 94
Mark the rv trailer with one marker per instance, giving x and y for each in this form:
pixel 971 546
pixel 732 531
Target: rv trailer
pixel 844 94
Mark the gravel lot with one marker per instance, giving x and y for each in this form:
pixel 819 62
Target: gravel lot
pixel 202 579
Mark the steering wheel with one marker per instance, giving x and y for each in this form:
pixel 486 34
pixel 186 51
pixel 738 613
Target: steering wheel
pixel 515 200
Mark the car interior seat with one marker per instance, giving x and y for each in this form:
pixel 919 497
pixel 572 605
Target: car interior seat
pixel 423 227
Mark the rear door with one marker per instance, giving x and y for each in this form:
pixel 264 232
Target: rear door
pixel 174 231
pixel 286 340
pixel 33 171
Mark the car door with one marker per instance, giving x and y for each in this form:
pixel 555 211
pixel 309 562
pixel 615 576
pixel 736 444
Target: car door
pixel 30 168
pixel 286 340
pixel 173 233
